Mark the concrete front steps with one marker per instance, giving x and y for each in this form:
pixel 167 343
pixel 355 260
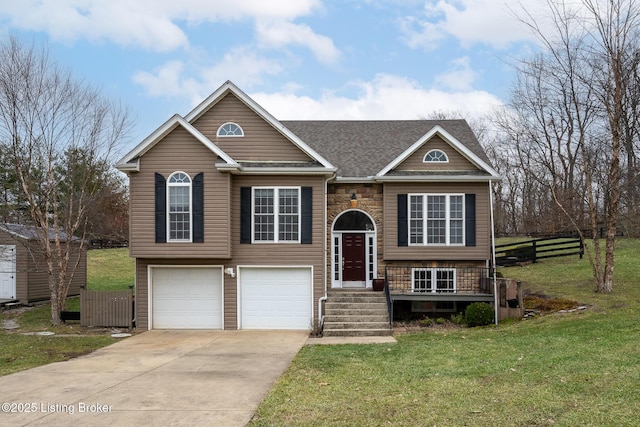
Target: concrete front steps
pixel 356 313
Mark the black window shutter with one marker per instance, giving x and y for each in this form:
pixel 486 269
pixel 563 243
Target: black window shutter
pixel 197 190
pixel 307 224
pixel 245 215
pixel 161 209
pixel 403 221
pixel 470 219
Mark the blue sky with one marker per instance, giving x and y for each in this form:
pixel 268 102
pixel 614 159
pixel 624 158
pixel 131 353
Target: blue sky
pixel 302 59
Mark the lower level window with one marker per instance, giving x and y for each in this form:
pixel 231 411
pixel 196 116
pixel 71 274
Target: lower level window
pixel 434 280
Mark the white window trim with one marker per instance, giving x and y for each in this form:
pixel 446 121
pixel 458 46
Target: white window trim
pixel 434 280
pixel 425 219
pixel 230 136
pixel 276 212
pixel 370 250
pixel 190 186
pixel 336 251
pixel 446 158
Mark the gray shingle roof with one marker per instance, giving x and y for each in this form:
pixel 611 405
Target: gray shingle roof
pixel 29 232
pixel 361 148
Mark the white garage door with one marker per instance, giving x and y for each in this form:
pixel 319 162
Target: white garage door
pixel 186 298
pixel 275 298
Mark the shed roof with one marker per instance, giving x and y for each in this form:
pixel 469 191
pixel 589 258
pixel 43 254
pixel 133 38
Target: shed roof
pixel 29 232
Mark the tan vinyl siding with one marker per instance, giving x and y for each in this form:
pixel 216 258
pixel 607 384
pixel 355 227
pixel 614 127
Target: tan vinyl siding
pixel 22 272
pixel 261 142
pixel 38 277
pixel 179 151
pixel 457 162
pixel 283 254
pixel 437 253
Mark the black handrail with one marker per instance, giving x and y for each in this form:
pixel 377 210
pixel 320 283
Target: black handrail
pixel 388 295
pixel 467 280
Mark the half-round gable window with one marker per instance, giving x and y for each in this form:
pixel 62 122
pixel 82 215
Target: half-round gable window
pixel 230 129
pixel 179 178
pixel 436 156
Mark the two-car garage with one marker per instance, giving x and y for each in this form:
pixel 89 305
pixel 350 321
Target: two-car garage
pixel 192 297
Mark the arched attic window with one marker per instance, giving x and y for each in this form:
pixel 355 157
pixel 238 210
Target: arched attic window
pixel 230 129
pixel 436 156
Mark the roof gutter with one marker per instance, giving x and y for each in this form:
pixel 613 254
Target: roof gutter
pixel 436 178
pixel 133 166
pixel 243 170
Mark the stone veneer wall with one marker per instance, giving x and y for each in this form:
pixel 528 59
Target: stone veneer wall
pixel 369 200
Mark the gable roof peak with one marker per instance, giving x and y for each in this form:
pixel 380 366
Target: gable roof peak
pixel 130 161
pixel 230 87
pixel 454 142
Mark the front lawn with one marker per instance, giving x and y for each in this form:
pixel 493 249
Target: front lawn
pixel 110 269
pixel 559 369
pixel 21 348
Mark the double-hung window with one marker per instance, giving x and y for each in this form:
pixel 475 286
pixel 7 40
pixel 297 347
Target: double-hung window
pixel 436 219
pixel 276 214
pixel 179 207
pixel 434 280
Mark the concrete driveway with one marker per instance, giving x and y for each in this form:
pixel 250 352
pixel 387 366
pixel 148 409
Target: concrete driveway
pixel 154 378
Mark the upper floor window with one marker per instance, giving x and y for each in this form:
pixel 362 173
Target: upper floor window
pixel 230 129
pixel 276 214
pixel 179 207
pixel 436 219
pixel 436 156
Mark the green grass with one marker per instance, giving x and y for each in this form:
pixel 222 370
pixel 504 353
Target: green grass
pixel 19 352
pixel 107 269
pixel 559 369
pixel 110 269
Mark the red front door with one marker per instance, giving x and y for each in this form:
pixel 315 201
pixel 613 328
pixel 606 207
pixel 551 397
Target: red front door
pixel 353 257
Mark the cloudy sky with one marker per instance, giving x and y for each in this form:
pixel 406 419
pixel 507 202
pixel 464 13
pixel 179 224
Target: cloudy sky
pixel 299 59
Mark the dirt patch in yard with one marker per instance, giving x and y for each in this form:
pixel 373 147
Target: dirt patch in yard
pixel 547 304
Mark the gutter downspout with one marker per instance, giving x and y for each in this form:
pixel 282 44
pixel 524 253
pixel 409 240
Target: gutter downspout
pixel 324 266
pixel 493 255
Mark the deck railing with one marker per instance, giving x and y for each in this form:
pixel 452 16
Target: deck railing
pixel 414 279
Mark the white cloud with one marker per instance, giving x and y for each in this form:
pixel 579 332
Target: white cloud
pixel 489 22
pixel 177 79
pixel 149 24
pixel 386 97
pixel 459 77
pixel 277 34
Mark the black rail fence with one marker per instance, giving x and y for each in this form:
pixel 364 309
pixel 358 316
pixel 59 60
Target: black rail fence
pixel 538 249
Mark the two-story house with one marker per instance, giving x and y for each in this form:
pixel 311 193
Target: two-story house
pixel 242 221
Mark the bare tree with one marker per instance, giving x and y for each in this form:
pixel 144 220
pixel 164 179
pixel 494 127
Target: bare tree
pixel 576 111
pixel 59 134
